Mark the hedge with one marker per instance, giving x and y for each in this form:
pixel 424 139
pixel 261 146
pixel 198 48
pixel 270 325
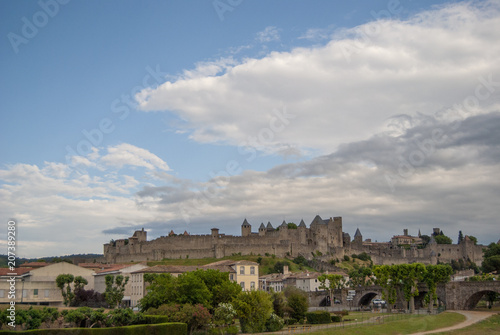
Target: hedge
pixel 155 319
pixel 173 328
pixel 336 318
pixel 318 317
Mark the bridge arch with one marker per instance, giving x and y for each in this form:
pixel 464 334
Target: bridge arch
pixel 473 299
pixel 366 298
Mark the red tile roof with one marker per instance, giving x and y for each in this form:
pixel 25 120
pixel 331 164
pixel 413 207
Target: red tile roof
pixel 34 264
pixel 18 271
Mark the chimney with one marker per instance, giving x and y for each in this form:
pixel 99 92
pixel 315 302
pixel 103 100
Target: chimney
pixel 285 269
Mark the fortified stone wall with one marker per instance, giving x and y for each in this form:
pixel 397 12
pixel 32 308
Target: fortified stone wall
pixel 323 237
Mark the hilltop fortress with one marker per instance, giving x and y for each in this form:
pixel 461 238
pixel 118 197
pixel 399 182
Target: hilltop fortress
pixel 323 238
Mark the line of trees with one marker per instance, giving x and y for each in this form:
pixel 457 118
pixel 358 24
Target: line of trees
pixel 74 292
pixel 204 297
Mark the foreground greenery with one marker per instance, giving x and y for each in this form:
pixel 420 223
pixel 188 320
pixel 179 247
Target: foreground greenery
pixel 489 326
pixel 85 317
pixel 408 325
pixel 208 300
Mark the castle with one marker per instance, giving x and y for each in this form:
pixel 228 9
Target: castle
pixel 323 238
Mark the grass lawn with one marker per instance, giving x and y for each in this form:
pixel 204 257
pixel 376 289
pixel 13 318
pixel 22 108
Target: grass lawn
pixel 408 325
pixel 489 326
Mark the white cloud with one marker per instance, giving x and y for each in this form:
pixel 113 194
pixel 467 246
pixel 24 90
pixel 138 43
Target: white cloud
pixel 69 208
pixel 127 154
pixel 345 90
pixel 269 34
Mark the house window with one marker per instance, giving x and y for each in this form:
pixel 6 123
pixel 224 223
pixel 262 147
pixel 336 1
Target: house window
pixel 2 293
pixel 252 285
pixel 252 270
pixel 242 270
pixel 46 293
pixel 25 293
pixel 35 292
pixel 231 277
pixel 242 284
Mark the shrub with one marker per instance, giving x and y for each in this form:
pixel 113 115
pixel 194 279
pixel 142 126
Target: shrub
pixel 274 323
pixel 297 303
pixel 336 318
pixel 318 317
pixel 341 313
pixel 164 328
pixel 346 258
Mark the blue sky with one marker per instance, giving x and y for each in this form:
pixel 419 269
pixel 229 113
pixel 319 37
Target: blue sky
pixel 186 115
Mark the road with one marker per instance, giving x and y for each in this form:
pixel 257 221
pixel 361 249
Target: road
pixel 471 318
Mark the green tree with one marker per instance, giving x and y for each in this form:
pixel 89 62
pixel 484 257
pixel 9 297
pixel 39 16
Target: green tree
pixel 384 278
pixel 292 225
pixel 115 288
pixel 195 316
pixel 279 303
pixel 80 282
pixel 410 275
pixel 161 290
pixel 253 309
pixel 491 264
pixel 206 287
pixel 491 258
pixel 278 266
pixel 224 315
pixel 192 289
pixel 434 275
pixel 331 282
pixel 442 239
pixel 297 303
pixel 360 277
pixel 63 282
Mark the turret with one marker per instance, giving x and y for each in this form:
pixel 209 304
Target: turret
pixel 246 228
pixel 262 229
pixel 141 235
pixel 358 238
pixel 215 232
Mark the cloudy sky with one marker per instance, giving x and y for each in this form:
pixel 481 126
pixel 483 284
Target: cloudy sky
pixel 177 115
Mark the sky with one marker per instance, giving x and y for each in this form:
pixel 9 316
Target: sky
pixel 189 115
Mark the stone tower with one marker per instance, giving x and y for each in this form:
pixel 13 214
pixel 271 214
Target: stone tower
pixel 246 228
pixel 358 238
pixel 262 229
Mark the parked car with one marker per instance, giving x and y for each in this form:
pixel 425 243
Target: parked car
pixel 378 302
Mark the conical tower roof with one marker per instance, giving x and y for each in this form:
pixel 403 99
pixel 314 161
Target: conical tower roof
pixel 302 223
pixel 357 233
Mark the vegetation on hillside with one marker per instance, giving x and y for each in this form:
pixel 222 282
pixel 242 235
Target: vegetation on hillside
pixel 267 263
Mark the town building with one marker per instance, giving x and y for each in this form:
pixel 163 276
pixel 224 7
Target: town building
pixel 245 273
pixel 37 286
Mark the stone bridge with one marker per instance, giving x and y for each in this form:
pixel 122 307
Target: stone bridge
pixel 454 295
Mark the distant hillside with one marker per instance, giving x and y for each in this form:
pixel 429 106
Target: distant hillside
pixel 75 258
pixel 267 264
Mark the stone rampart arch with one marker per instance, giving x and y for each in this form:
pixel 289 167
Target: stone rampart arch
pixel 466 295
